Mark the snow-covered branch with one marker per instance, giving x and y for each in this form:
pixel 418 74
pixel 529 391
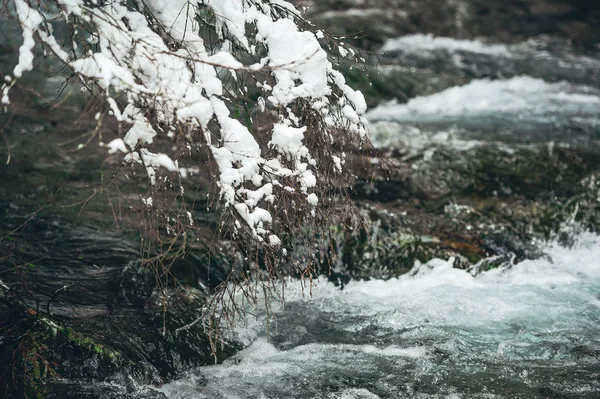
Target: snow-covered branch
pixel 174 68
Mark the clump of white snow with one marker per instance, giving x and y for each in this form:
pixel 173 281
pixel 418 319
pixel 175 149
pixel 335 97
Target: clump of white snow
pixel 160 75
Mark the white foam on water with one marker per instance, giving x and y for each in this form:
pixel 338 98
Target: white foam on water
pixel 521 109
pixel 427 42
pixel 354 393
pixel 429 334
pixel 535 49
pixel 385 134
pixel 520 95
pixel 507 104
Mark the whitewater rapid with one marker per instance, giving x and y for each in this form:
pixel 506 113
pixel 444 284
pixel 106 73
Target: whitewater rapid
pixel 525 93
pixel 527 331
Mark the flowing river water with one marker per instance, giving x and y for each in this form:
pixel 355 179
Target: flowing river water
pixel 531 330
pixel 528 330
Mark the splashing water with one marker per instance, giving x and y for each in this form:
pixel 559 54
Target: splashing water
pixel 520 110
pixel 530 331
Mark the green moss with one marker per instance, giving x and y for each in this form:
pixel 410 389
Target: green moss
pixel 86 343
pixel 41 349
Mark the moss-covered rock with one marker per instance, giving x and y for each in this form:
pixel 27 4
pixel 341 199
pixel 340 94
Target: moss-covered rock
pixel 488 208
pixel 42 347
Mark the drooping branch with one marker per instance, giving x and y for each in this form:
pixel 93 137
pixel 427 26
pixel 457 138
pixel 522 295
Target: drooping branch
pixel 154 57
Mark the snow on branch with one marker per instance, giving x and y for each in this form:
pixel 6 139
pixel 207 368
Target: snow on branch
pixel 172 66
